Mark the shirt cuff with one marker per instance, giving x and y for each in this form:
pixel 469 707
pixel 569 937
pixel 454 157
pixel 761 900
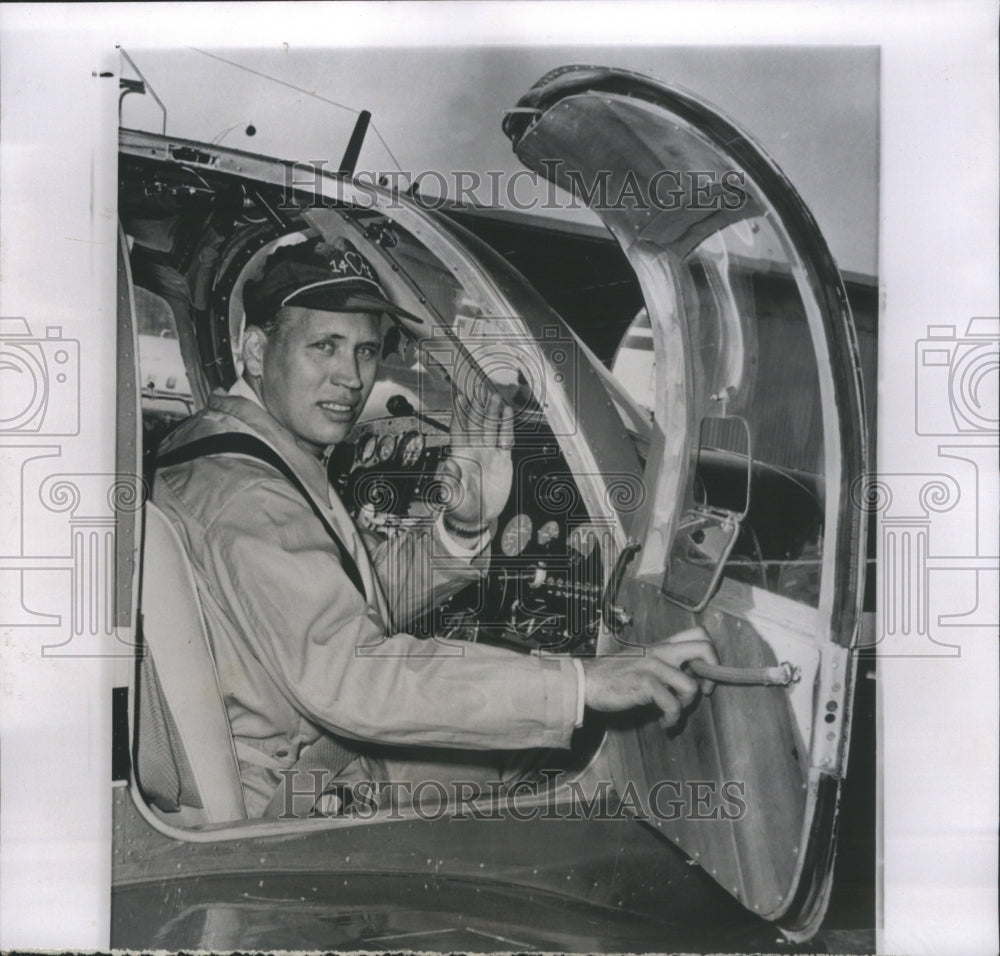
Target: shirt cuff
pixel 581 690
pixel 457 548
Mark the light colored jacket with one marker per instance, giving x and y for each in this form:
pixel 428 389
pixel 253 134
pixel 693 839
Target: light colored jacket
pixel 299 651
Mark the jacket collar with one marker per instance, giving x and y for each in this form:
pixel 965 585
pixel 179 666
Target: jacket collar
pixel 242 389
pixel 251 416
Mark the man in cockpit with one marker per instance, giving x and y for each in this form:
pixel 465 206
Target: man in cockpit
pixel 300 609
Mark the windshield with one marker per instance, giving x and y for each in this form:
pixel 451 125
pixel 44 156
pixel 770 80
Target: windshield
pixel 751 341
pixel 753 386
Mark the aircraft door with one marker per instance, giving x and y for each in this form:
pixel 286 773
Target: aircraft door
pixel 748 527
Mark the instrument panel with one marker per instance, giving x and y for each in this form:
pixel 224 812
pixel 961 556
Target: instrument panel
pixel 543 589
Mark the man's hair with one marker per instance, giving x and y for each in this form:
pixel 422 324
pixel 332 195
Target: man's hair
pixel 269 322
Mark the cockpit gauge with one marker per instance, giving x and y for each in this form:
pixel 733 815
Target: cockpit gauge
pixel 366 450
pixel 386 446
pixel 548 532
pixel 516 535
pixel 411 447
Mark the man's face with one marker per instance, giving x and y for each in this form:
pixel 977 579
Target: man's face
pixel 315 372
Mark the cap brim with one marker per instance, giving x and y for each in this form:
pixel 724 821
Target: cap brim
pixel 341 300
pixel 365 302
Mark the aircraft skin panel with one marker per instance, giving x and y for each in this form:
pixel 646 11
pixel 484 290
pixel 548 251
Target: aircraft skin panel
pixel 738 759
pixel 598 885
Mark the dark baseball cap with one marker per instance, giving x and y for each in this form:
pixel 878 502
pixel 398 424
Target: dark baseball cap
pixel 317 275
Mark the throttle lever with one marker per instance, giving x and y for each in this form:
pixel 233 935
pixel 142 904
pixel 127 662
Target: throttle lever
pixel 782 675
pixel 614 617
pixel 399 406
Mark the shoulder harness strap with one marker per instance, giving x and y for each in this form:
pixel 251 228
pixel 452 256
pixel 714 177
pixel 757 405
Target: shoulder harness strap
pixel 240 443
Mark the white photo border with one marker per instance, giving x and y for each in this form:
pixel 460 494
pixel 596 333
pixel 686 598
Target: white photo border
pixel 938 267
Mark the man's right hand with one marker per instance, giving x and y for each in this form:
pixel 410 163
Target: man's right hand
pixel 619 682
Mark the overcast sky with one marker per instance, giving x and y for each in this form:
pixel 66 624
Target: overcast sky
pixel 813 109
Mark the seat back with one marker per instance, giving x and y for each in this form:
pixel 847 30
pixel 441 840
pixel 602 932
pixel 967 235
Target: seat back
pixel 185 756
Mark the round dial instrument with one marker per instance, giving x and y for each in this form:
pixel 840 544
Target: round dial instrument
pixel 516 535
pixel 548 532
pixel 411 447
pixel 386 446
pixel 366 449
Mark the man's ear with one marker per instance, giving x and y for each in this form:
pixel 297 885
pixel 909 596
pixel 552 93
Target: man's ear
pixel 254 347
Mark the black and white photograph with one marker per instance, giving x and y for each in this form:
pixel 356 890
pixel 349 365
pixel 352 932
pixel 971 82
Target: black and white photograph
pixel 485 494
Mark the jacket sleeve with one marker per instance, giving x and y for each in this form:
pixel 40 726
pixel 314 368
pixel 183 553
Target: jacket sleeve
pixel 275 573
pixel 419 570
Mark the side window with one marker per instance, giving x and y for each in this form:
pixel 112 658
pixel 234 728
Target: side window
pixel 755 357
pixel 634 364
pixel 165 390
pixel 753 512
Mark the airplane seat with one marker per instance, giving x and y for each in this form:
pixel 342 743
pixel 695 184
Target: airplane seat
pixel 185 760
